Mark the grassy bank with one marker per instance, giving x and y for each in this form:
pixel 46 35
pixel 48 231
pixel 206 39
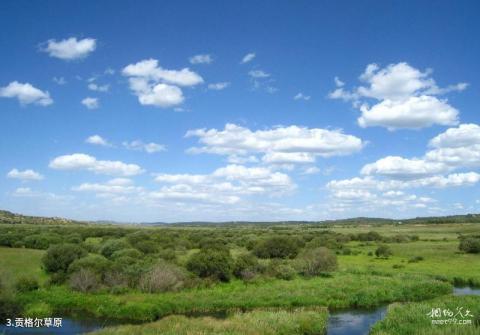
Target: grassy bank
pixel 413 318
pixel 342 291
pixel 439 258
pixel 299 321
pixel 19 262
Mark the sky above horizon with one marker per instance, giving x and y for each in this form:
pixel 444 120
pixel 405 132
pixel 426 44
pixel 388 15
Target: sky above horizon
pixel 219 111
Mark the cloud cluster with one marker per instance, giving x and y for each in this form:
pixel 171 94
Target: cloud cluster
pixel 139 145
pixel 156 86
pixel 79 161
pixel 278 145
pixel 98 140
pixel 70 48
pixel 404 96
pixel 225 185
pixel 201 59
pixel 26 94
pixel 24 175
pixel 90 103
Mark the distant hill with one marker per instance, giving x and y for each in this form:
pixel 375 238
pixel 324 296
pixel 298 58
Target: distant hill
pixel 7 217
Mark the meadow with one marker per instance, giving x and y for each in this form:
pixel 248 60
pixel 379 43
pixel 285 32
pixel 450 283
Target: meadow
pixel 282 278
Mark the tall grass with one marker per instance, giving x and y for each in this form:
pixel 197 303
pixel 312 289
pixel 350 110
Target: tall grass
pixel 301 321
pixel 344 290
pixel 412 318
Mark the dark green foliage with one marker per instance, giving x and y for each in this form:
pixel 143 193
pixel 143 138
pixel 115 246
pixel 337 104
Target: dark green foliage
pixel 133 253
pixel 277 247
pixel 245 263
pixel 316 261
pixel 147 247
pixel 26 284
pixel 470 244
pixel 217 264
pixel 95 263
pixel 383 251
pixel 59 257
pixel 167 254
pixel 41 241
pixel 112 245
pixel 416 259
pixel 280 269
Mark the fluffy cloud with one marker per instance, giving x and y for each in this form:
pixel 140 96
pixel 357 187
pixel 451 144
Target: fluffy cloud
pixel 248 58
pixel 90 103
pixel 218 86
pixel 98 88
pixel 281 144
pixel 112 187
pixel 97 140
pixel 258 74
pixel 401 168
pixel 80 161
pixel 301 96
pixel 201 59
pixel 26 94
pixel 141 146
pixel 414 112
pixel 225 185
pixel 70 48
pixel 457 147
pixel 24 175
pixel 405 98
pixel 159 87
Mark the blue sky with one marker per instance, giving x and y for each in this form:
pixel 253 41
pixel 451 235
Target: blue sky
pixel 215 110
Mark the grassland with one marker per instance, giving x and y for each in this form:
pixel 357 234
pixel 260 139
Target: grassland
pixel 16 263
pixel 412 318
pixel 423 266
pixel 341 291
pixel 301 321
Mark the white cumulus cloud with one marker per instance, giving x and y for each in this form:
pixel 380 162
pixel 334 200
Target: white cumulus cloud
pixel 26 94
pixel 201 59
pixel 24 175
pixel 70 48
pixel 79 161
pixel 90 103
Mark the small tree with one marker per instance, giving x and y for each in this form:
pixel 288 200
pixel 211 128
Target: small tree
pixel 245 264
pixel 59 257
pixel 217 264
pixel 111 246
pixel 470 245
pixel 316 261
pixel 84 280
pixel 383 251
pixel 277 247
pixel 161 278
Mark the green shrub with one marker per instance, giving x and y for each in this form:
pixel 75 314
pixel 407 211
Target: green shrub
pixel 110 246
pixel 416 259
pixel 59 257
pixel 133 253
pixel 245 265
pixel 277 247
pixel 26 284
pixel 217 264
pixel 162 277
pixel 96 263
pixel 316 261
pixel 383 251
pixel 147 247
pixel 470 245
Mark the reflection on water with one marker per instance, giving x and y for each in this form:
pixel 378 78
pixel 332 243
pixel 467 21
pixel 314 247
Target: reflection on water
pixel 467 290
pixel 354 322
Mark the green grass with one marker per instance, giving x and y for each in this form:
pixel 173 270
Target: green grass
pixel 15 263
pixel 341 291
pixel 259 322
pixel 441 258
pixel 412 318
